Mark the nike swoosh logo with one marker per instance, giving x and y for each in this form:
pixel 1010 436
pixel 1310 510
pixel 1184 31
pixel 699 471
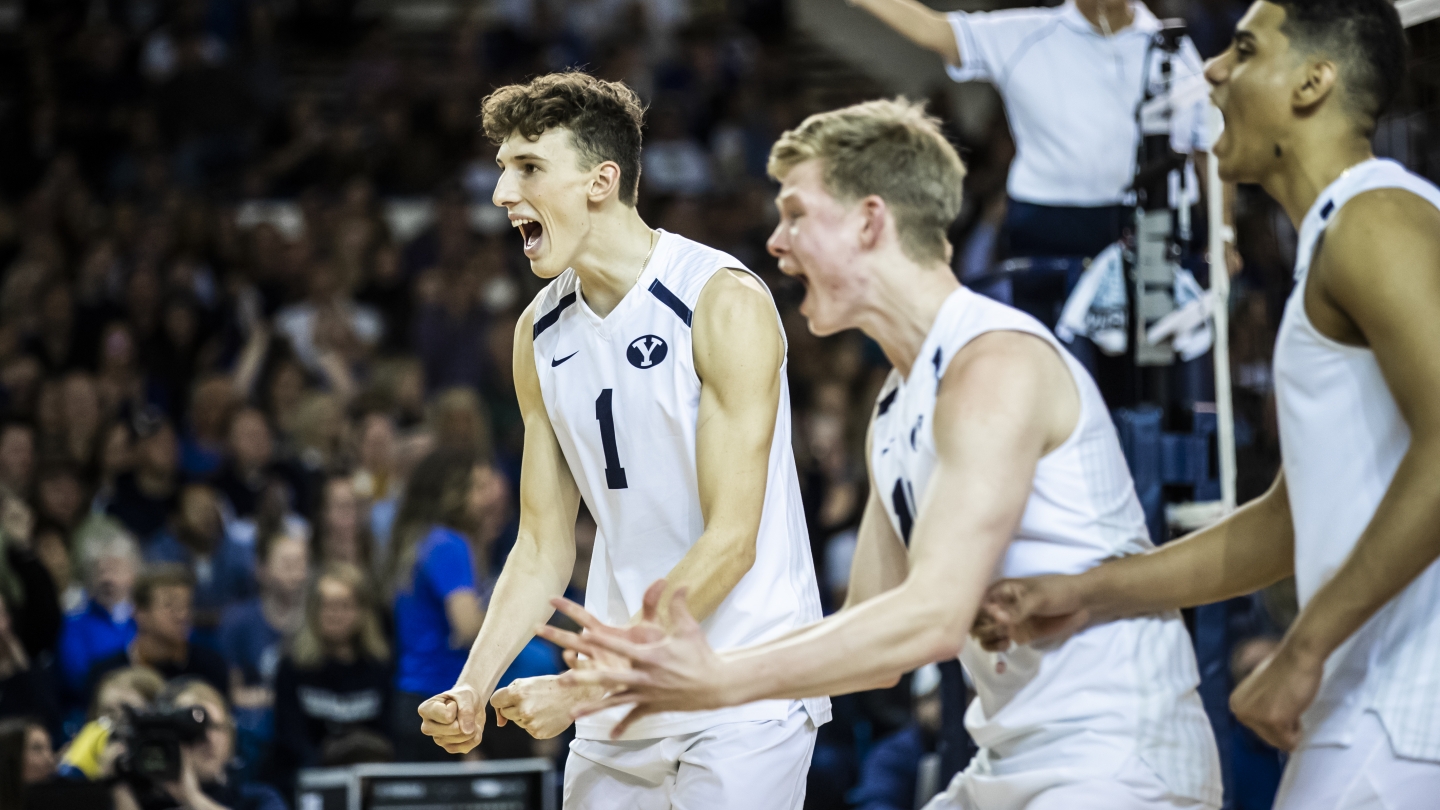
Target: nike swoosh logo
pixel 554 363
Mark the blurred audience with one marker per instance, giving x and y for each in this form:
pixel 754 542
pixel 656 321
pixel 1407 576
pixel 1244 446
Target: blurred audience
pixel 25 688
pixel 336 678
pixel 145 496
pixel 222 566
pixel 207 781
pixel 890 776
pixel 253 632
pixel 105 624
pixel 26 585
pixel 27 758
pixel 164 606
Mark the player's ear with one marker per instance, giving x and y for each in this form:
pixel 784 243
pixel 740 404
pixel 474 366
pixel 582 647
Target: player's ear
pixel 873 215
pixel 604 180
pixel 1318 81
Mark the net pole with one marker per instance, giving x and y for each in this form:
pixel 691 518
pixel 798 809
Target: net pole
pixel 1220 290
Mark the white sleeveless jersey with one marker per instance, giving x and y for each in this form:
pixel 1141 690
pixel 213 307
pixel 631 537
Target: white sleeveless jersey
pixel 1341 440
pixel 1117 689
pixel 623 398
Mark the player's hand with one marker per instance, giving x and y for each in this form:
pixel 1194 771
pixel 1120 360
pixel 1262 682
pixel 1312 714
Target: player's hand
pixel 679 672
pixel 542 706
pixel 1271 700
pixel 1041 611
pixel 456 719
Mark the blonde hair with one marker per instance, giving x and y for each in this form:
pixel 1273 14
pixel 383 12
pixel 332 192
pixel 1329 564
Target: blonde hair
pixel 144 681
pixel 308 651
pixel 892 149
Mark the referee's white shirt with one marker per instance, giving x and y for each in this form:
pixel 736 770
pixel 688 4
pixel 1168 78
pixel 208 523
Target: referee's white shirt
pixel 1071 95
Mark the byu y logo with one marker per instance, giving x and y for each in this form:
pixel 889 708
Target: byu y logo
pixel 646 352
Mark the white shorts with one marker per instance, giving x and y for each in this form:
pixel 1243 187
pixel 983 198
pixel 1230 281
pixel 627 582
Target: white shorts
pixel 1364 775
pixel 753 765
pixel 1134 787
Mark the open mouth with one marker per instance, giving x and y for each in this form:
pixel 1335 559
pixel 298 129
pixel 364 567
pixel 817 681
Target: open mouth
pixel 531 231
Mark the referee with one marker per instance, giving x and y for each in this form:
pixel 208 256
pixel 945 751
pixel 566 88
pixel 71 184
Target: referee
pixel 1071 78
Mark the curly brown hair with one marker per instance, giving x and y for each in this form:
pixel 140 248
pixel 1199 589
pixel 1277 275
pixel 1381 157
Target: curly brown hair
pixel 603 118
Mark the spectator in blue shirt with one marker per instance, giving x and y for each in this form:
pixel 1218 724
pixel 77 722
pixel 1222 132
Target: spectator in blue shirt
pixel 438 609
pixel 223 567
pixel 106 622
pixel 441 579
pixel 164 598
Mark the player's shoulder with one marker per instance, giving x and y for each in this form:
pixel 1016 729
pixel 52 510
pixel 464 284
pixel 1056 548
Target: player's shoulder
pixel 1380 214
pixel 526 322
pixel 1005 368
pixel 678 255
pixel 1392 222
pixel 1000 353
pixel 729 288
pixel 548 305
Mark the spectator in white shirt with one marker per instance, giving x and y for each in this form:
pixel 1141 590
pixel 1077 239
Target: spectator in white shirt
pixel 1072 78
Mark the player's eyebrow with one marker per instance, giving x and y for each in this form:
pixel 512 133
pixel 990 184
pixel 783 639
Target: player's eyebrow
pixel 1242 34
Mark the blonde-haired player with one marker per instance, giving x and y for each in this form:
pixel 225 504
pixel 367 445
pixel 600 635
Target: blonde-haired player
pixel 991 452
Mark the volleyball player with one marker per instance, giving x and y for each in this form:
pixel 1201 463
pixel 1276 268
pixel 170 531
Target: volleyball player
pixel 1354 687
pixel 990 450
pixel 651 375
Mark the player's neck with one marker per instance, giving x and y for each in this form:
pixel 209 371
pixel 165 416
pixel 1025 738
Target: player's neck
pixel 609 259
pixel 1310 161
pixel 905 299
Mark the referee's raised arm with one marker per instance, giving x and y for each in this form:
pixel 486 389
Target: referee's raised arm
pixel 919 23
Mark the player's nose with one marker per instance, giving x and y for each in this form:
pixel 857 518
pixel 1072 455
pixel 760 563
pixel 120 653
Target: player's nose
pixel 1217 68
pixel 777 244
pixel 505 194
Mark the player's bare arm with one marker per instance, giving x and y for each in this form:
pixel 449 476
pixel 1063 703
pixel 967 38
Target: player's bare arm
pixel 918 23
pixel 1396 313
pixel 1006 400
pixel 536 571
pixel 1247 551
pixel 739 354
pixel 880 562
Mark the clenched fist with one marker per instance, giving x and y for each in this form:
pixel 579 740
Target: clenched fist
pixel 542 705
pixel 455 718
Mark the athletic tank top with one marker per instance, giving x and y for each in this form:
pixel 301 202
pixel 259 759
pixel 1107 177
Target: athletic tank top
pixel 623 398
pixel 1341 440
pixel 1128 687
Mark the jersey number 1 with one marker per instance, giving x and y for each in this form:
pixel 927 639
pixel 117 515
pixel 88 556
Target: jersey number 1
pixel 614 473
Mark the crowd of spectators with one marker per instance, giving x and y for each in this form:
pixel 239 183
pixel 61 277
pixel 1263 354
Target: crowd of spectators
pixel 259 448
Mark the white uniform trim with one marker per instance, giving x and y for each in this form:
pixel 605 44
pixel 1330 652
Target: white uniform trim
pixel 623 398
pixel 1111 692
pixel 1342 437
pixel 1071 95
